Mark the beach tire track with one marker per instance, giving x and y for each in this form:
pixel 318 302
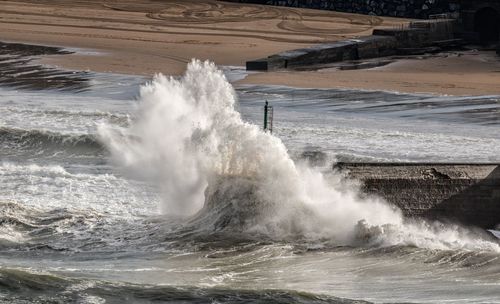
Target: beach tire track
pixel 275 39
pixel 291 26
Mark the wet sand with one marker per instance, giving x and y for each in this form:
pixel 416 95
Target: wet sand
pixel 145 37
pixel 20 70
pixel 456 73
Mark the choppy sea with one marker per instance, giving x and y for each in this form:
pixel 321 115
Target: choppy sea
pixel 76 226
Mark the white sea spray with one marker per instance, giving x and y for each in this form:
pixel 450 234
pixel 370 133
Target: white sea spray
pixel 188 136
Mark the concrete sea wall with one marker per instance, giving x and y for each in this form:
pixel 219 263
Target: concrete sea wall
pixel 416 38
pixel 465 193
pixel 394 8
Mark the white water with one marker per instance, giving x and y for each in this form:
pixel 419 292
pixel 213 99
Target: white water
pixel 188 135
pixel 66 211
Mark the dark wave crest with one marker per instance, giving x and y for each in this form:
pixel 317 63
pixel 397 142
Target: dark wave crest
pixel 21 286
pixel 46 141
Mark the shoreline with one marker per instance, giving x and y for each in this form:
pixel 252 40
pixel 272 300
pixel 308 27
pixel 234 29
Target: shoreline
pixel 126 38
pixel 459 73
pixel 293 79
pixel 20 69
pixel 394 77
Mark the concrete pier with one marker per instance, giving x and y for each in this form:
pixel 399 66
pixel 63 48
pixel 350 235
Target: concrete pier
pixel 465 193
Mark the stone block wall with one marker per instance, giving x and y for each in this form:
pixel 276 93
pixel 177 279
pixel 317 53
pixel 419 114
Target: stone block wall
pixel 394 8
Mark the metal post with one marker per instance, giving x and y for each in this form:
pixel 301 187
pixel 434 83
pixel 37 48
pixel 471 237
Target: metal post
pixel 266 109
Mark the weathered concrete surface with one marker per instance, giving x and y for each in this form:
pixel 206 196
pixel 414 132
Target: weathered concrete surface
pixel 467 193
pixel 318 54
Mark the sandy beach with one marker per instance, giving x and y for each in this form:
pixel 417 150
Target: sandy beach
pixel 145 37
pixel 454 73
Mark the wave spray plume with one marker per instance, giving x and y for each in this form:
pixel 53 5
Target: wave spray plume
pixel 191 141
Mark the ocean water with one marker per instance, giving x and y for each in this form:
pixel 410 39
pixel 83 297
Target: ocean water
pixel 167 190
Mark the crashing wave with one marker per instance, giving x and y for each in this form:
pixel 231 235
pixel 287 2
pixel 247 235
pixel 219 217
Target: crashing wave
pixel 188 136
